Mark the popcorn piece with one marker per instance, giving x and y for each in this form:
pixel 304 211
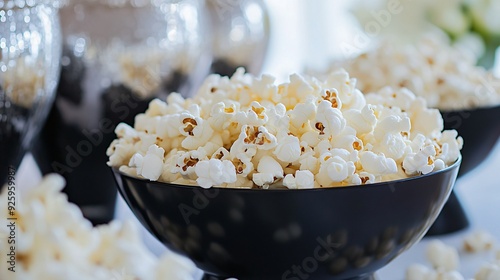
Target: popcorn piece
pixel 363 121
pixel 119 153
pixel 418 272
pixel 442 256
pixel 303 179
pixel 263 179
pixel 288 149
pixel 269 165
pixel 126 132
pixel 421 162
pixel 329 120
pixel 333 169
pixel 198 132
pixel 489 271
pixel 301 114
pixel 258 136
pixel 149 166
pixel 186 162
pixel 377 164
pixel 478 241
pixel 214 172
pixel 243 164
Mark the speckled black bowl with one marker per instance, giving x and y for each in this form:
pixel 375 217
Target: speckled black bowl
pixel 480 129
pixel 334 233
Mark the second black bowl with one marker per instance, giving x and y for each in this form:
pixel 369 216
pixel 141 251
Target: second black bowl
pixel 480 129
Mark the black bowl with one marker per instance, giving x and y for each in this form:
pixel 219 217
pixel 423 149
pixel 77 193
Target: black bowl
pixel 480 129
pixel 334 233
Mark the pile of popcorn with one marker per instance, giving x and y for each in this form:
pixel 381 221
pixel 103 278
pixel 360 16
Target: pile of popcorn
pixel 54 241
pixel 445 260
pixel 247 132
pixel 445 76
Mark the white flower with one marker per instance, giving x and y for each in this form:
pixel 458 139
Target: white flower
pixel 214 172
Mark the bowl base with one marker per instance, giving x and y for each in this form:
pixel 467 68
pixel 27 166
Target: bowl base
pixel 364 277
pixel 451 219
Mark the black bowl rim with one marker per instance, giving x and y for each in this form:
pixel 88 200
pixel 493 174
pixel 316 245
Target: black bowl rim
pixel 456 164
pixel 474 109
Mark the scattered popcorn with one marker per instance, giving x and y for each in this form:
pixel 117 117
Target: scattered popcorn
pixel 421 272
pixel 479 241
pixel 54 241
pixel 445 77
pixel 442 256
pixel 307 133
pixel 489 271
pixel 418 272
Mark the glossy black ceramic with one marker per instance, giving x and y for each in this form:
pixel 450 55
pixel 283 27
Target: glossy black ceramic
pixel 480 129
pixel 335 233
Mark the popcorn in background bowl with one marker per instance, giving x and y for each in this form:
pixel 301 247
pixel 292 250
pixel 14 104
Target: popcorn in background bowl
pixel 54 241
pixel 247 132
pixel 446 77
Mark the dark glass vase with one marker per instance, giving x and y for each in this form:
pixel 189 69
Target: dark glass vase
pixel 117 57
